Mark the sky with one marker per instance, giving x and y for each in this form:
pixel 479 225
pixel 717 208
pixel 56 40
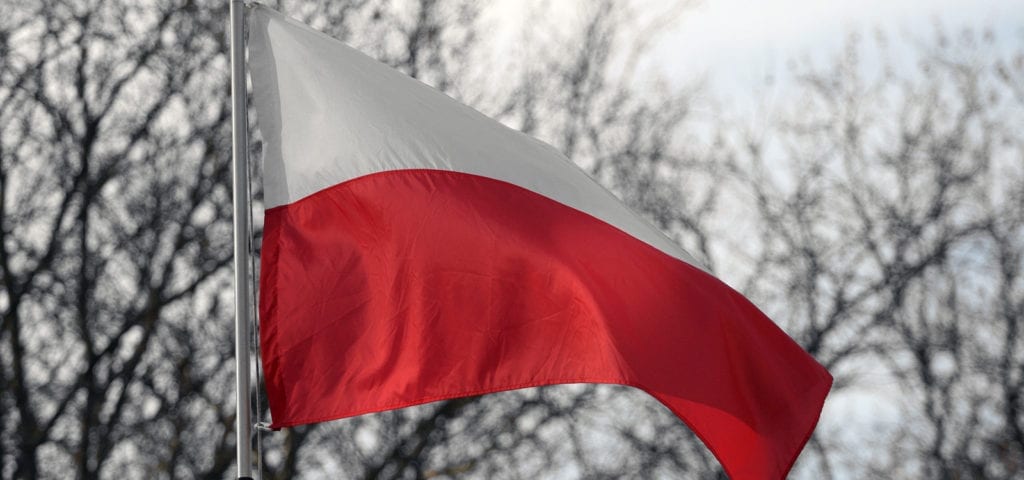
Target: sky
pixel 735 44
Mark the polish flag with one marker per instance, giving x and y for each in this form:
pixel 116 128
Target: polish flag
pixel 416 250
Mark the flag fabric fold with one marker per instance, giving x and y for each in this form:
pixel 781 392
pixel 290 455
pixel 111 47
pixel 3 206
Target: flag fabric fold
pixel 415 250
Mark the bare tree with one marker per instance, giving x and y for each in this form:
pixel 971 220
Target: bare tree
pixel 890 246
pixel 881 226
pixel 113 240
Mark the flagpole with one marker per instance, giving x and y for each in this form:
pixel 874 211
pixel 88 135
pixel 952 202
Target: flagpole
pixel 240 201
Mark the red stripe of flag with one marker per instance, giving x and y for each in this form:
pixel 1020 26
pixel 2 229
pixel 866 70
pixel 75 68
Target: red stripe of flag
pixel 410 286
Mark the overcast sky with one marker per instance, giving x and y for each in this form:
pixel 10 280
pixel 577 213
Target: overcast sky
pixel 736 43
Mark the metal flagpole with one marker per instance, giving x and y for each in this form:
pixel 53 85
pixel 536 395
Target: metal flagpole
pixel 240 186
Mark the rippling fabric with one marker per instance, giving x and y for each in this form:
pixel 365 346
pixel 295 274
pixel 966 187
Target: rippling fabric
pixel 423 265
